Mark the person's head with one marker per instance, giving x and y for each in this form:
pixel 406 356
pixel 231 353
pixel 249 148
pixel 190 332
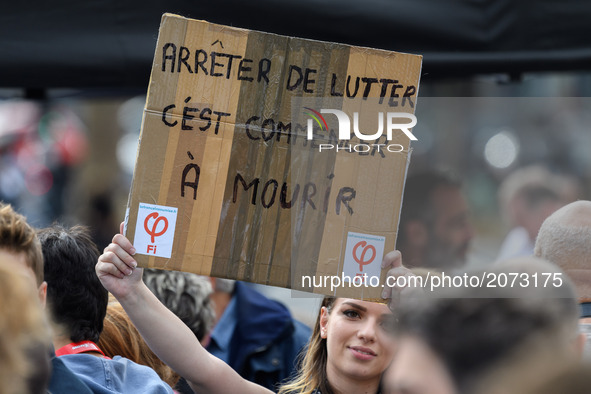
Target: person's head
pixel 186 295
pixel 565 240
pixel 76 299
pixel 463 338
pixel 222 285
pixel 351 343
pixel 529 195
pixel 24 335
pixel 435 229
pixel 221 295
pixel 121 338
pixel 19 239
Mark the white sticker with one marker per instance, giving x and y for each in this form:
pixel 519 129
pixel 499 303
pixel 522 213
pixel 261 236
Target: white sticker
pixel 154 230
pixel 363 257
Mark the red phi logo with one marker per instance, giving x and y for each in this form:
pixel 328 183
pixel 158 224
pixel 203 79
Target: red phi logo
pixel 360 258
pixel 152 230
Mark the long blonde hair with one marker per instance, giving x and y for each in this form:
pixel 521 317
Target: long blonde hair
pixel 312 374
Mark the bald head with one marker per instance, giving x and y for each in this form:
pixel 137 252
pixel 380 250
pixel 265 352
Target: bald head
pixel 565 240
pixel 575 214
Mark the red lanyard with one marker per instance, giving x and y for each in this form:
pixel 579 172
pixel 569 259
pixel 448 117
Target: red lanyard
pixel 80 347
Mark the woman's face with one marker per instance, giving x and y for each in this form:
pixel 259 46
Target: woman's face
pixel 358 343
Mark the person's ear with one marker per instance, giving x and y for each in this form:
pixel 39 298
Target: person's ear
pixel 42 293
pixel 323 322
pixel 417 233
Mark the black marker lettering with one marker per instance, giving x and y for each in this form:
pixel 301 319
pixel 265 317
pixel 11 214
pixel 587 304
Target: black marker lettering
pixel 202 116
pixel 184 54
pixel 166 57
pixel 217 123
pixel 186 116
pixel 333 84
pixel 283 196
pixel 166 109
pixel 290 85
pixel 242 68
pixel 410 90
pixel 275 186
pixel 308 81
pixel 346 194
pixel 254 183
pixel 264 68
pixel 194 185
pixel 309 192
pixel 356 86
pixel 368 83
pixel 200 63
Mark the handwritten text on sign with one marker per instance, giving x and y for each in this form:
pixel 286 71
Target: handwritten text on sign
pixel 225 148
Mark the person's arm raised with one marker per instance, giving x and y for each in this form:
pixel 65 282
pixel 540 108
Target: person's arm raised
pixel 168 337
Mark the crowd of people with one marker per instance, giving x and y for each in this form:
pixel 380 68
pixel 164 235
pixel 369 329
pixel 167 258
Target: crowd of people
pixel 75 320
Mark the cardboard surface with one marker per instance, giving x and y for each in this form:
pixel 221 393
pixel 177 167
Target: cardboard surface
pixel 224 145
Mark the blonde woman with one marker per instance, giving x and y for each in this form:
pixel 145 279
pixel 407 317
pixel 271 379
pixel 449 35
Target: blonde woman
pixel 349 349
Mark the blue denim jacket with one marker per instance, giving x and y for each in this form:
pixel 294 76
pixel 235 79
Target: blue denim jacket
pixel 119 375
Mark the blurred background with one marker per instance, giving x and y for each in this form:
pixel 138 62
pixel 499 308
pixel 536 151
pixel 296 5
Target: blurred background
pixel 504 85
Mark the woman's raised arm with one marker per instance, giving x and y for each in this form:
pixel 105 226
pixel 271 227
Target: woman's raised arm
pixel 168 337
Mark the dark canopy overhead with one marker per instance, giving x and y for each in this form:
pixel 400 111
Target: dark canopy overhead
pixel 110 44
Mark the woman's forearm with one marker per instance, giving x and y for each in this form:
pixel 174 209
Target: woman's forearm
pixel 176 345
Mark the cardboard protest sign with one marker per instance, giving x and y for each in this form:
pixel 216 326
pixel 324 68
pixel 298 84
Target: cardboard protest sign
pixel 235 175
